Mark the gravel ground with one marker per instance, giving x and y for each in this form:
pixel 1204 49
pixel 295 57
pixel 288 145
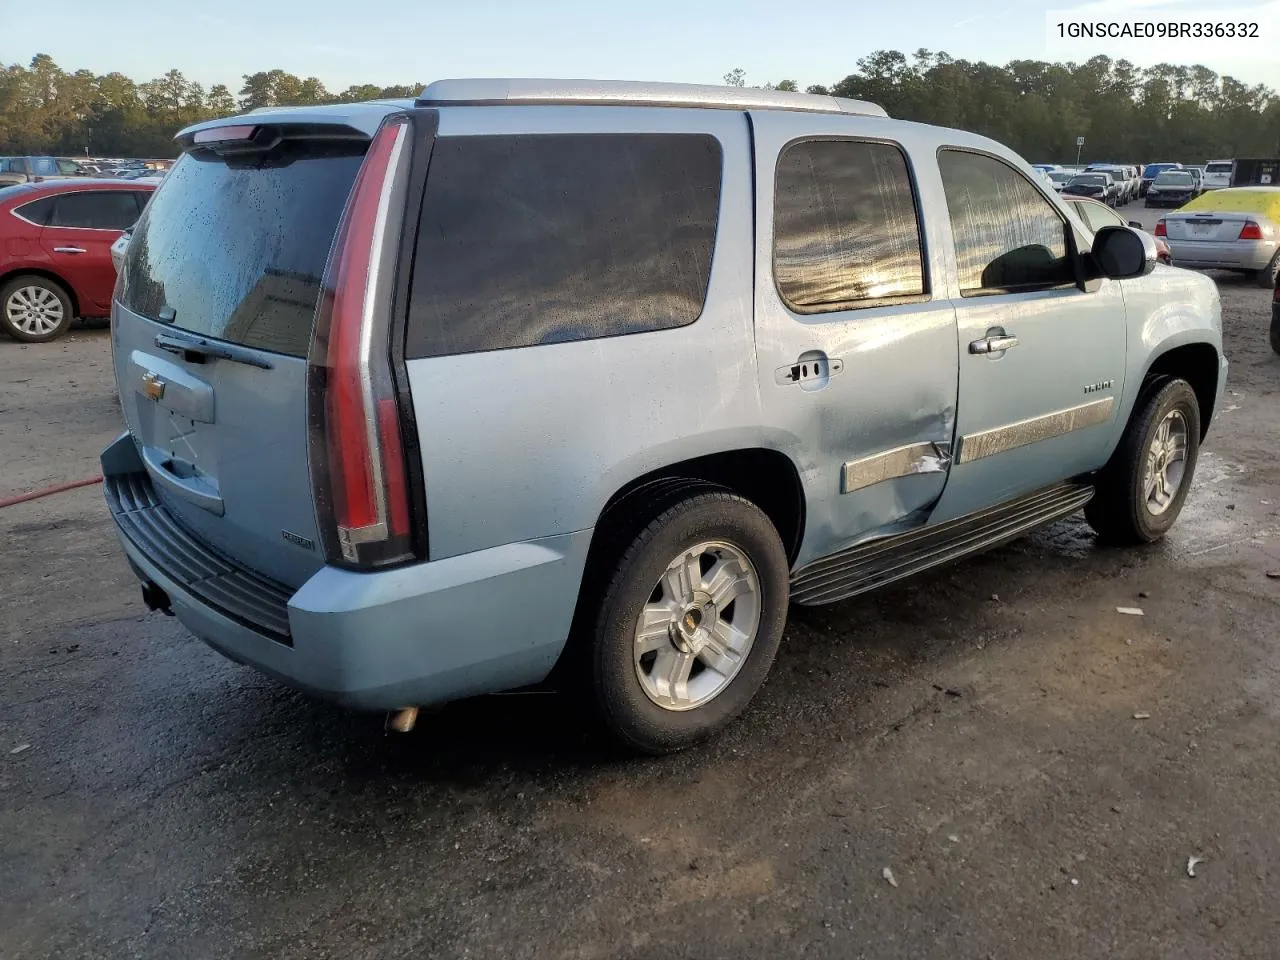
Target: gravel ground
pixel 973 732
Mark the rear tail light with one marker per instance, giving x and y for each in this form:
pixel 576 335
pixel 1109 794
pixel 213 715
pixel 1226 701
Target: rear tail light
pixel 1251 230
pixel 1160 230
pixel 357 455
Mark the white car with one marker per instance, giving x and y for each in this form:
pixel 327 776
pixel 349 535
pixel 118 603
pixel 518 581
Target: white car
pixel 1060 178
pixel 1217 174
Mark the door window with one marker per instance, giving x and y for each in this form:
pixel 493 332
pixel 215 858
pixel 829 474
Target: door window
pixel 1008 236
pixel 528 240
pixel 95 210
pixel 846 233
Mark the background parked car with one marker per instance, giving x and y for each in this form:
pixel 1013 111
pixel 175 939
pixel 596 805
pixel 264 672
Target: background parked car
pixel 1217 174
pixel 28 169
pixel 1126 188
pixel 1151 171
pixel 1173 188
pixel 1098 215
pixel 1237 228
pixel 1060 178
pixel 55 251
pixel 1097 185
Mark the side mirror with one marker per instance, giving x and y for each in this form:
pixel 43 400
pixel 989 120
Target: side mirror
pixel 1120 253
pixel 1136 225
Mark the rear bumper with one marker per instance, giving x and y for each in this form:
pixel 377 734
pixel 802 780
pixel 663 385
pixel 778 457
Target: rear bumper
pixel 467 625
pixel 1226 255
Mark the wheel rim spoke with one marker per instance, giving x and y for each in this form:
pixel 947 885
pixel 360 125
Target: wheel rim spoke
pixel 693 636
pixel 1166 462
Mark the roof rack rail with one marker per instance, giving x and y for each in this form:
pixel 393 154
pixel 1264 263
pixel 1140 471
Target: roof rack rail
pixel 481 91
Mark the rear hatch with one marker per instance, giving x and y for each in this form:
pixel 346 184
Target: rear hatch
pixel 1210 226
pixel 1217 175
pixel 212 323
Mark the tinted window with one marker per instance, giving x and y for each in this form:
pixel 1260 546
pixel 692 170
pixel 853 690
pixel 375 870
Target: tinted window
pixel 237 246
pixel 37 211
pixel 529 240
pixel 1007 235
pixel 100 210
pixel 845 227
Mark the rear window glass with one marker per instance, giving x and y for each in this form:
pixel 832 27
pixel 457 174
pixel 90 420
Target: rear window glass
pixel 1217 168
pixel 44 166
pixel 236 246
pixel 529 240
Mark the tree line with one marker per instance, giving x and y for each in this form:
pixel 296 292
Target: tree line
pixel 1124 112
pixel 46 110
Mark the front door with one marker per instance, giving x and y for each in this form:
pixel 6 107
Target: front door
pixel 856 349
pixel 1042 356
pixel 81 228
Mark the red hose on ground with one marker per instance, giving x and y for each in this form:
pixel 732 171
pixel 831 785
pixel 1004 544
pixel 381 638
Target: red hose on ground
pixel 56 488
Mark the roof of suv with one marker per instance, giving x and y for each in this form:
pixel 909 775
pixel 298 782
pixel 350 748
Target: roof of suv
pixel 366 116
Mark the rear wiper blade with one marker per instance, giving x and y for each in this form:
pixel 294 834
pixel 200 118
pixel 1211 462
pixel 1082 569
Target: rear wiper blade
pixel 198 350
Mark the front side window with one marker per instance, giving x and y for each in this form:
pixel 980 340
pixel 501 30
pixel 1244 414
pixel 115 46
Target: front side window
pixel 1008 237
pixel 845 226
pixel 529 240
pixel 97 210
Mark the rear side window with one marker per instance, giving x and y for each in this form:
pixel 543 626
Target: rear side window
pixel 845 226
pixel 98 210
pixel 528 240
pixel 1008 237
pixel 37 211
pixel 236 246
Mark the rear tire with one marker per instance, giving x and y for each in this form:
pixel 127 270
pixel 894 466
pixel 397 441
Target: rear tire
pixel 687 628
pixel 1266 277
pixel 1140 492
pixel 1275 329
pixel 35 309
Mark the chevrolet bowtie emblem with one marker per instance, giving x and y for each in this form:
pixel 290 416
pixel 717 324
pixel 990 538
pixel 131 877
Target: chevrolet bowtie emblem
pixel 152 386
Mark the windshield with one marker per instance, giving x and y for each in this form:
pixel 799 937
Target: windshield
pixel 236 247
pixel 1175 178
pixel 1059 176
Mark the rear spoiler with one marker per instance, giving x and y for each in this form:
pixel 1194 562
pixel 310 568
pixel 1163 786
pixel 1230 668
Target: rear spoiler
pixel 340 120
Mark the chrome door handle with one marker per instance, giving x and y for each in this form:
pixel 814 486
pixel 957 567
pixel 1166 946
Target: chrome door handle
pixel 68 250
pixel 993 344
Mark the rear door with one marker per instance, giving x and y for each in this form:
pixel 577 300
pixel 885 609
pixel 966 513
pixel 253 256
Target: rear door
pixel 77 240
pixel 232 250
pixel 856 344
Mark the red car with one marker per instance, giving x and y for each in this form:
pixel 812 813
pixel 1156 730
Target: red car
pixel 55 251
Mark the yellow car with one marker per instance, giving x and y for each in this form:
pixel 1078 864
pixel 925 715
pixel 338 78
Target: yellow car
pixel 1233 229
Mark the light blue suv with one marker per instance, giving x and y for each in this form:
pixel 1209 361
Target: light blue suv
pixel 584 382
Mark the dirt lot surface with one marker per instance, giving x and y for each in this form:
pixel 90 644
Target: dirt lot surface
pixel 974 732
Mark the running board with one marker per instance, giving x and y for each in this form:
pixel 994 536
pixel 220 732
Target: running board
pixel 885 560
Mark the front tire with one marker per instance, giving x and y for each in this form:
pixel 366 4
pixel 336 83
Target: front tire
pixel 1141 491
pixel 1275 329
pixel 35 309
pixel 687 629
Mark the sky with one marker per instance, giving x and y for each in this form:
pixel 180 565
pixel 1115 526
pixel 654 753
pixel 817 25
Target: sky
pixel 694 41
